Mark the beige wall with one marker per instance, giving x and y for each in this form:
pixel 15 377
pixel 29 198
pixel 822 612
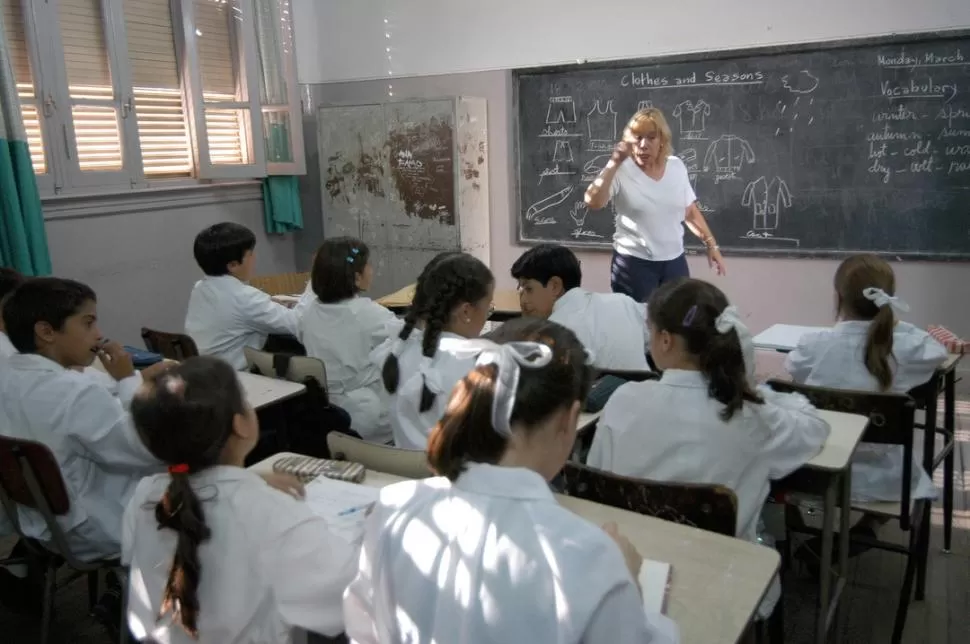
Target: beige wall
pixel 136 251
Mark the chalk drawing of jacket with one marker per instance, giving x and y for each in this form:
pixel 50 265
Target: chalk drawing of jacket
pixel 601 125
pixel 766 199
pixel 692 117
pixel 728 154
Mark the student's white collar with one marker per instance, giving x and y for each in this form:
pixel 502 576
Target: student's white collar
pixel 509 482
pixel 684 378
pixel 570 299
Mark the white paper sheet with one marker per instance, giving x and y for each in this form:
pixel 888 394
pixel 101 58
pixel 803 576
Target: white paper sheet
pixel 343 505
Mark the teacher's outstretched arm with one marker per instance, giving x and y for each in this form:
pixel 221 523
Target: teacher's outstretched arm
pixel 598 192
pixel 698 225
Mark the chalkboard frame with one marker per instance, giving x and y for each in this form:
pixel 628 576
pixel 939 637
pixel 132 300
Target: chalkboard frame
pixel 691 245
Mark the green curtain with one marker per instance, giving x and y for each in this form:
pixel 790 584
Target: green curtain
pixel 23 240
pixel 282 212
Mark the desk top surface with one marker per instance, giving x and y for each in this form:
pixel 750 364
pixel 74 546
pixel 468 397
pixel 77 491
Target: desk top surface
pixel 262 391
pixel 506 301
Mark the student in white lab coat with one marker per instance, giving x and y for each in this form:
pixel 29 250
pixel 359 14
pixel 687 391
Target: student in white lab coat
pixel 216 554
pixel 341 328
pixel 452 302
pixel 225 313
pixel 484 549
pixel 869 350
pixel 612 326
pixel 53 324
pixel 702 422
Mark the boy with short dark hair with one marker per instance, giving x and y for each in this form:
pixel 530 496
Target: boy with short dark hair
pixel 52 323
pixel 225 313
pixel 611 326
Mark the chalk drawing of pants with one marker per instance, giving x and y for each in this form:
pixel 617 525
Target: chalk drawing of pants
pixel 728 153
pixel 766 199
pixel 601 126
pixel 562 109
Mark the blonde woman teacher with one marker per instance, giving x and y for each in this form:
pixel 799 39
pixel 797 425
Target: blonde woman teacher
pixel 653 198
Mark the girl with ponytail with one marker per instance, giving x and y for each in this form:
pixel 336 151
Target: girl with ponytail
pixel 869 349
pixel 703 421
pixel 484 550
pixel 215 554
pixel 452 302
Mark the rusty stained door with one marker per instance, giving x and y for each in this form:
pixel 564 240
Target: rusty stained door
pixel 388 177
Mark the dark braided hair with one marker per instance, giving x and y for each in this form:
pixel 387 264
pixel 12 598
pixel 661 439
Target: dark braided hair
pixel 448 281
pixel 185 416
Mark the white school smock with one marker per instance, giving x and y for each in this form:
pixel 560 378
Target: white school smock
pixel 226 315
pixel 270 566
pixel 611 326
pixel 452 362
pixel 650 214
pixel 491 558
pixel 343 335
pixel 90 434
pixel 835 358
pixel 671 430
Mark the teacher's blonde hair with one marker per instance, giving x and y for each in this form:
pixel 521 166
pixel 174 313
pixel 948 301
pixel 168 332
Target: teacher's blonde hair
pixel 651 116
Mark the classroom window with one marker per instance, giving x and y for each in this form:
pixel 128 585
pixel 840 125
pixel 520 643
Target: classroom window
pixel 130 92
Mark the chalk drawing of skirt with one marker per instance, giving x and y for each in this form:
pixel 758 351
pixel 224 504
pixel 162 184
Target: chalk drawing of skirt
pixel 552 200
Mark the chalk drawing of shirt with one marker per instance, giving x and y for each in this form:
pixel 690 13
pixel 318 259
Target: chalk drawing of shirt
pixel 562 109
pixel 728 154
pixel 601 125
pixel 692 117
pixel 766 199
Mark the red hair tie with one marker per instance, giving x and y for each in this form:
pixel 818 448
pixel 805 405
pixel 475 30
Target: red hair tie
pixel 181 468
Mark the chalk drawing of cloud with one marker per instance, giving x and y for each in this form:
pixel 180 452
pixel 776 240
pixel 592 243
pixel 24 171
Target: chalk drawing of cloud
pixel 803 83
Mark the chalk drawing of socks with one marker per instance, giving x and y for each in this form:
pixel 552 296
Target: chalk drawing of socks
pixel 601 125
pixel 554 199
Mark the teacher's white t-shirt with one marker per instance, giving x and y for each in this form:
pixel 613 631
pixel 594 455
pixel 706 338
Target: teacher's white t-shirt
pixel 649 213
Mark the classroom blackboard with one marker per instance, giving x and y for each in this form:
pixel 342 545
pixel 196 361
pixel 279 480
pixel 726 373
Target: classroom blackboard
pixel 813 150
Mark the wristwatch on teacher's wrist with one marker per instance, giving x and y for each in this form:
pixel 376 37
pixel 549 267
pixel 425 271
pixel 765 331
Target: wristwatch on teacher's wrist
pixel 711 244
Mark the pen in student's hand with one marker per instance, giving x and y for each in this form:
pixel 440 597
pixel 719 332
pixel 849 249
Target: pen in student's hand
pixel 354 510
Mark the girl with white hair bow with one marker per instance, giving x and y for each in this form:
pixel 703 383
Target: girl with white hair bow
pixel 704 421
pixel 484 549
pixel 869 349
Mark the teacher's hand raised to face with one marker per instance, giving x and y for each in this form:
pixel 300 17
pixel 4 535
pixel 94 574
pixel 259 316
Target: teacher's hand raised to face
pixel 654 198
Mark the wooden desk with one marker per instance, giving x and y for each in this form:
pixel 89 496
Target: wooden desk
pixel 506 303
pixel 263 392
pixel 717 582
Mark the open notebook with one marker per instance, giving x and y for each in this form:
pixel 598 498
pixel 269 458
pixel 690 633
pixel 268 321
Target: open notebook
pixel 344 505
pixel 654 585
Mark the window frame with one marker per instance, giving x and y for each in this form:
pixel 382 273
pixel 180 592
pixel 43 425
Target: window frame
pixel 63 177
pixel 243 37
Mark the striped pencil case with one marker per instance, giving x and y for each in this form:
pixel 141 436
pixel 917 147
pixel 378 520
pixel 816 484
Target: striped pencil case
pixel 307 468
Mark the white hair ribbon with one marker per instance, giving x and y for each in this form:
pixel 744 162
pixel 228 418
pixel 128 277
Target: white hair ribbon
pixel 730 319
pixel 880 298
pixel 509 358
pixel 432 377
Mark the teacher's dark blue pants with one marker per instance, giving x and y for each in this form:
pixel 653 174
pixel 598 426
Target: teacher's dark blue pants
pixel 638 278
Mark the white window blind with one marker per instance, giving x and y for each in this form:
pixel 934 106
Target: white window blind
pixel 218 54
pixel 14 30
pixel 93 106
pixel 162 130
